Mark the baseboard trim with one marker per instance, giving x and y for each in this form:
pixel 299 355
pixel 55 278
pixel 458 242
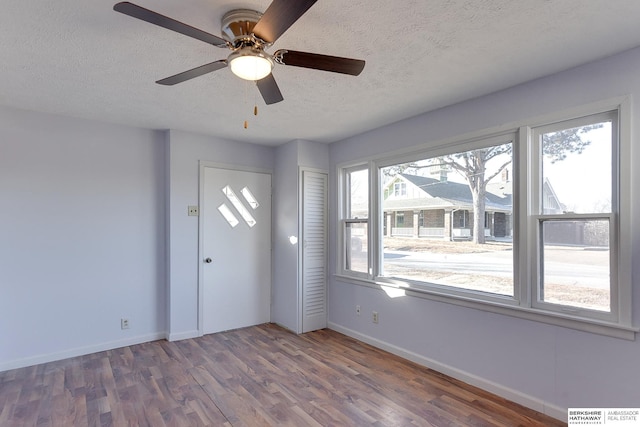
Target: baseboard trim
pixel 474 380
pixel 183 335
pixel 79 351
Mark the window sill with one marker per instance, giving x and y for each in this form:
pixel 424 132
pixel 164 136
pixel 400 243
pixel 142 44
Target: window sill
pixel 558 319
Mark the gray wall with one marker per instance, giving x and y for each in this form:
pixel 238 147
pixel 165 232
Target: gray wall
pixel 81 236
pixel 290 158
pixel 185 151
pixel 284 304
pixel 547 367
pixel 94 228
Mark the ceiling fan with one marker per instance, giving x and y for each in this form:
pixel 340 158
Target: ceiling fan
pixel 248 33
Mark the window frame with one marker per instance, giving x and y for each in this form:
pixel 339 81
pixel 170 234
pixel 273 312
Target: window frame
pixel 538 217
pixel 347 220
pixel 617 324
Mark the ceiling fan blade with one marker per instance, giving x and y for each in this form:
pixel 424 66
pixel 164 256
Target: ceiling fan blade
pixel 316 61
pixel 279 16
pixel 194 72
pixel 269 90
pixel 171 24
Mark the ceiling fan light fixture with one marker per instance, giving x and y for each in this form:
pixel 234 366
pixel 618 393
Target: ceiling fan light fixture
pixel 250 64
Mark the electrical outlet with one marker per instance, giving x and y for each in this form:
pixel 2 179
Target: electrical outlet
pixel 375 317
pixel 193 211
pixel 358 310
pixel 124 323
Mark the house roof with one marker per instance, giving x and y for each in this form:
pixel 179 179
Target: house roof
pixel 447 194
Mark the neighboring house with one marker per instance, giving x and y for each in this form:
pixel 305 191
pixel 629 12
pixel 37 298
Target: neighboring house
pixel 418 206
pixel 576 233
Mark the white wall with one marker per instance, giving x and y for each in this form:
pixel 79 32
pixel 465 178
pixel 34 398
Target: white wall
pixel 81 236
pixel 546 367
pixel 185 150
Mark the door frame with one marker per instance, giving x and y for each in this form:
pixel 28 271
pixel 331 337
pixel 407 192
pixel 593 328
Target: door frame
pixel 202 164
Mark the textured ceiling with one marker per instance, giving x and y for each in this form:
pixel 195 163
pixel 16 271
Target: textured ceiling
pixel 82 59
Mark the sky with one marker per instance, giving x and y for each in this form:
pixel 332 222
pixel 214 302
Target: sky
pixel 582 181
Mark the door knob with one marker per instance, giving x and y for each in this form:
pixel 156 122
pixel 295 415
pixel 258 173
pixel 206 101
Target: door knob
pixel 208 260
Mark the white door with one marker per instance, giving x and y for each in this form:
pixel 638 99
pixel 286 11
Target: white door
pixel 236 209
pixel 314 251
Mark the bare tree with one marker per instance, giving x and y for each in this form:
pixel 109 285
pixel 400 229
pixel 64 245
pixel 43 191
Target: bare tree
pixel 472 165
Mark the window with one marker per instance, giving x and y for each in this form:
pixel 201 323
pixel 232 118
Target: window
pixel 449 256
pixel 400 189
pixel 551 245
pixel 574 214
pixel 356 223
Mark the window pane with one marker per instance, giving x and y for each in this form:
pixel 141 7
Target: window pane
pixel 358 204
pixel 576 170
pixel 428 231
pixel 356 250
pixel 575 263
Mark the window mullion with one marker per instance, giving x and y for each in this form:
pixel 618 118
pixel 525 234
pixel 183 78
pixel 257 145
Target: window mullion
pixel 525 253
pixel 375 221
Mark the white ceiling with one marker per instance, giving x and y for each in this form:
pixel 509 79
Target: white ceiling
pixel 82 59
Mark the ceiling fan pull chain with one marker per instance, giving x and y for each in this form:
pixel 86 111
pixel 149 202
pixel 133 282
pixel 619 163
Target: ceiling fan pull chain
pixel 246 124
pixel 255 110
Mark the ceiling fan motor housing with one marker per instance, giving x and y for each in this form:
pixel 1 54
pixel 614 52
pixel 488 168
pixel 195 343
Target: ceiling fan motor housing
pixel 237 27
pixel 248 60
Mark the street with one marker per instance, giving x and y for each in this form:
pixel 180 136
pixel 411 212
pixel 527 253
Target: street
pixel 582 268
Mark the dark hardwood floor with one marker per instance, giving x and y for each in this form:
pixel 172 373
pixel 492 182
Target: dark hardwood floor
pixel 258 376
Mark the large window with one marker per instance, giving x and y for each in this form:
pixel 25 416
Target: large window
pixel 529 222
pixel 458 249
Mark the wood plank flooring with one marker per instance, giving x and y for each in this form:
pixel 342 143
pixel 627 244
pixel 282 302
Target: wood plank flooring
pixel 257 376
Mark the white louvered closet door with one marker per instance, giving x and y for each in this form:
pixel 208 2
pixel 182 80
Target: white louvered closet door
pixel 314 251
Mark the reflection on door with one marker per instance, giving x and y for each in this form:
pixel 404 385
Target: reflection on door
pixel 236 234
